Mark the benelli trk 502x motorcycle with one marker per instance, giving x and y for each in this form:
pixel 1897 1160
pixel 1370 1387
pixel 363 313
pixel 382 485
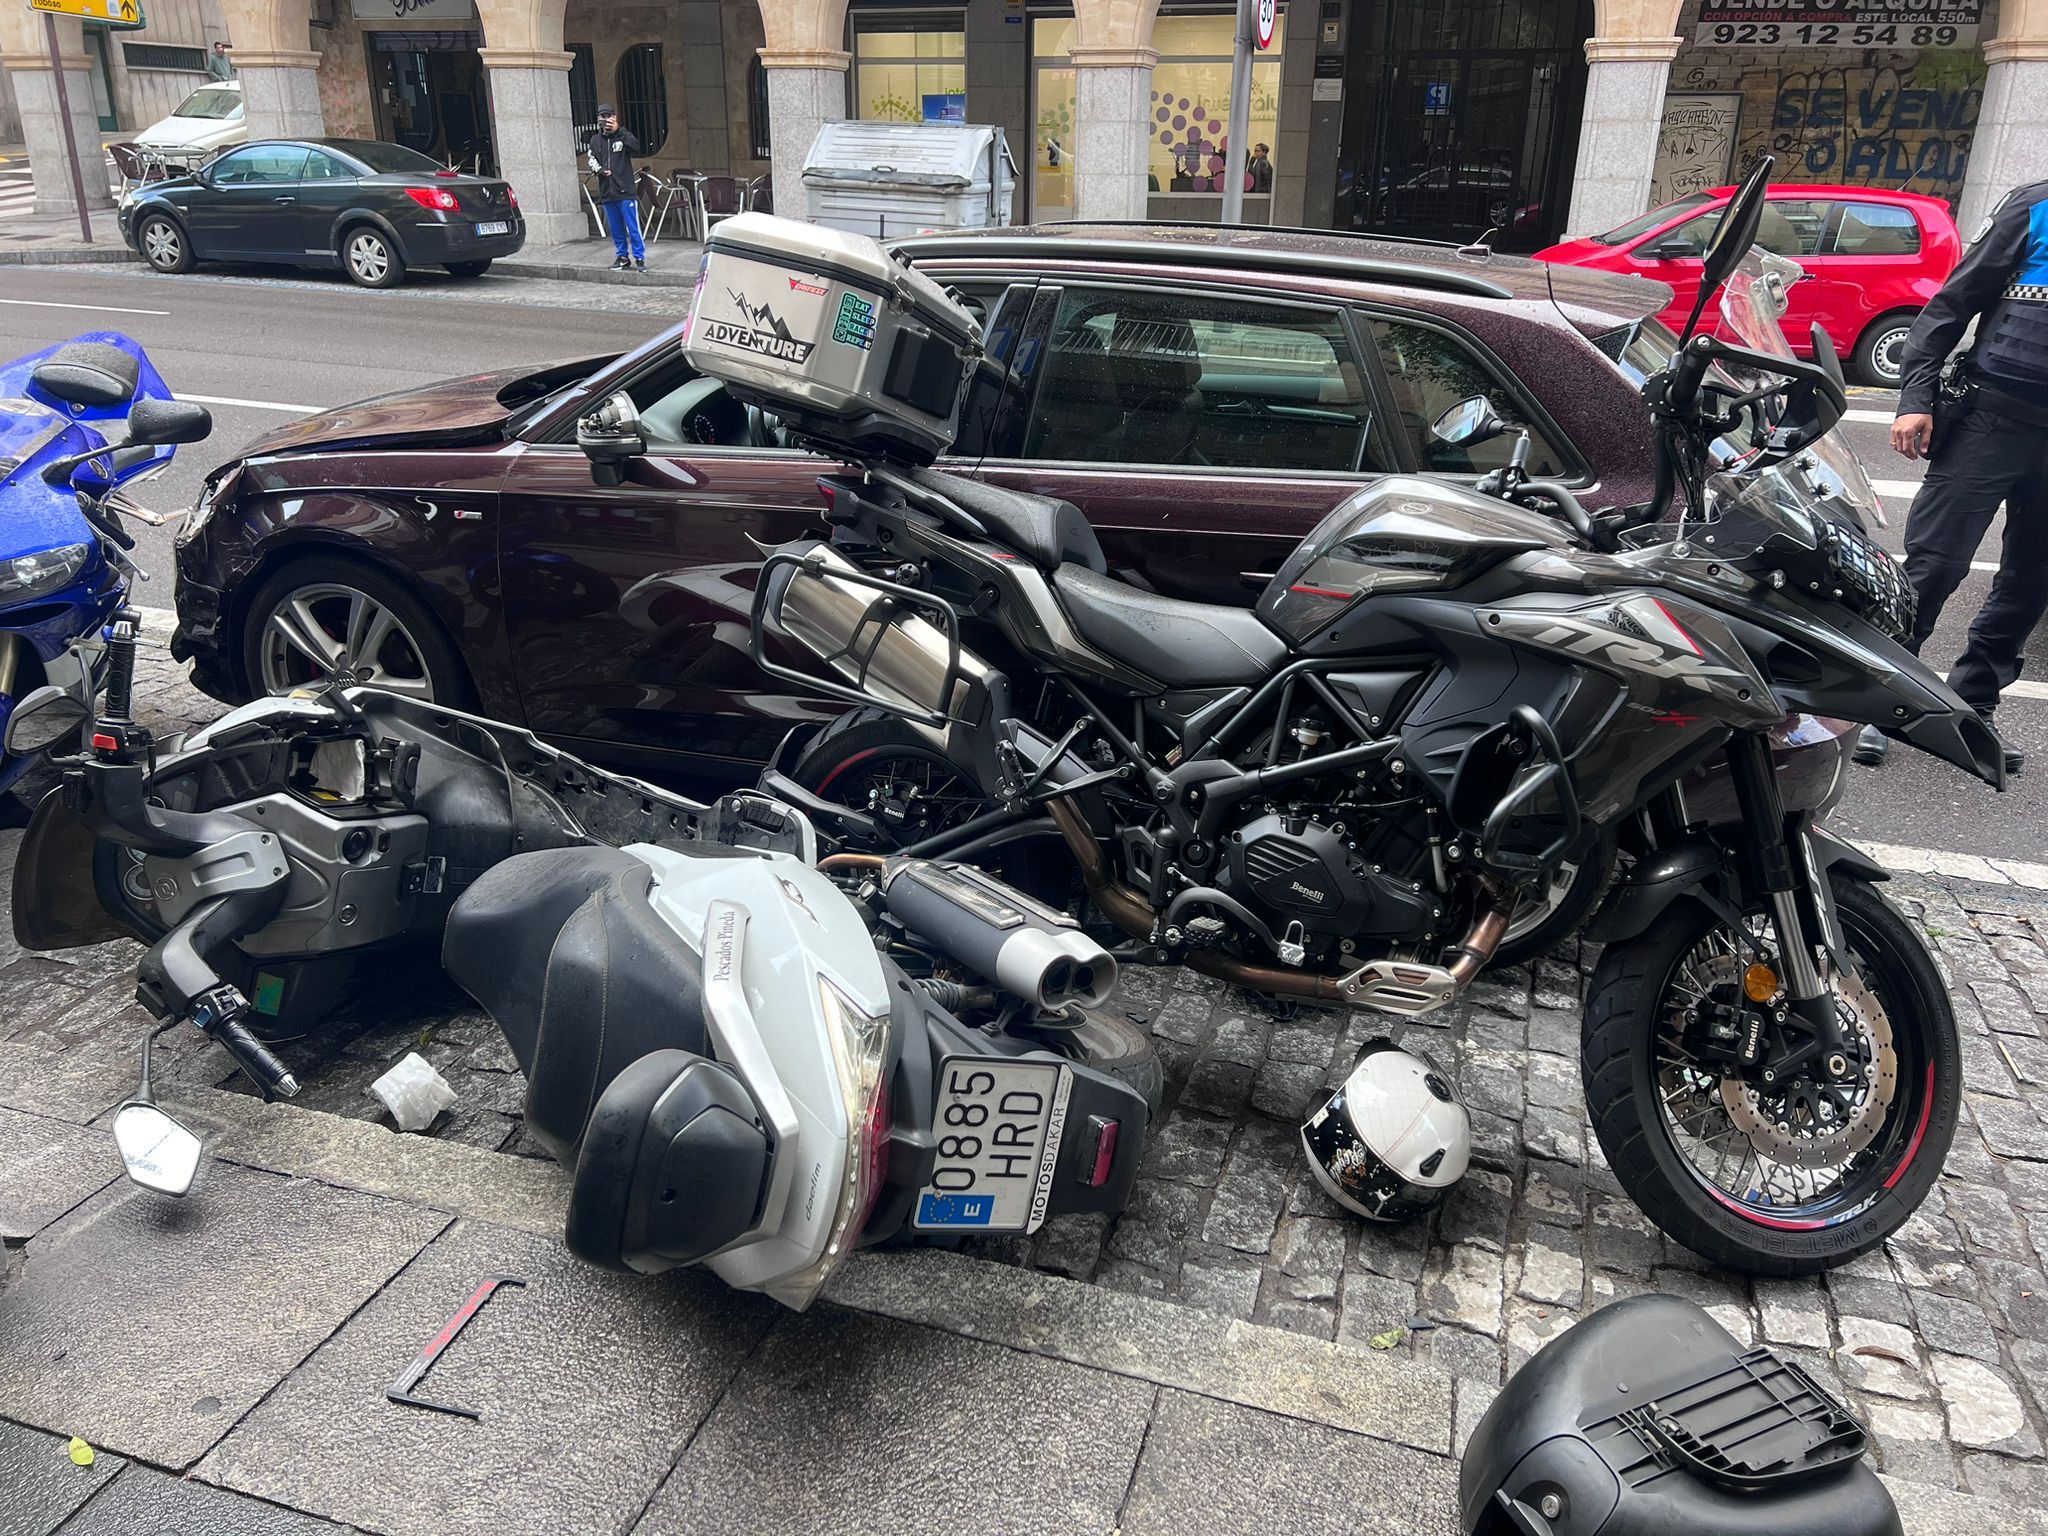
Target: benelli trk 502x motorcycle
pixel 1446 694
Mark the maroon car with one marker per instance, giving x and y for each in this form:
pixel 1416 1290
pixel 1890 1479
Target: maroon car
pixel 1204 395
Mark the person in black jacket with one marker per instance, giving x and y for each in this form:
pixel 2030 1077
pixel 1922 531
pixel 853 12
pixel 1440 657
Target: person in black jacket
pixel 1983 430
pixel 611 149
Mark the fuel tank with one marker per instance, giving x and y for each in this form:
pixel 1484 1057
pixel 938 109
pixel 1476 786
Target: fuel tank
pixel 1400 534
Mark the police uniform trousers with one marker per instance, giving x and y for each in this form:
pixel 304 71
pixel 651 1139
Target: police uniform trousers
pixel 1980 459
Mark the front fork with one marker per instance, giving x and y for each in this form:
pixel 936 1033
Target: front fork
pixel 1781 869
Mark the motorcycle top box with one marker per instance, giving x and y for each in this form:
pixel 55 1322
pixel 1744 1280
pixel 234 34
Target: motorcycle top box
pixel 849 346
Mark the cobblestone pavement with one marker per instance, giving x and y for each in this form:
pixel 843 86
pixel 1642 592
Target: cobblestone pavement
pixel 1940 1341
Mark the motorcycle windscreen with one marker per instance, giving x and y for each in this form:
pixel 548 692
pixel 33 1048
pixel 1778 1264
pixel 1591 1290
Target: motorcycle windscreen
pixel 56 902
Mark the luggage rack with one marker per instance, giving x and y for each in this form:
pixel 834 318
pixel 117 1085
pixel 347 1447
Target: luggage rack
pixel 1760 1422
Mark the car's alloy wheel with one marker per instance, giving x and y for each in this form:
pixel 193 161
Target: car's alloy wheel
pixel 332 630
pixel 163 245
pixel 369 258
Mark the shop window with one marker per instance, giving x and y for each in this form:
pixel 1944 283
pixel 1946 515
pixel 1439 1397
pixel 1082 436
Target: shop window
pixel 757 110
pixel 1147 377
pixel 1191 101
pixel 906 76
pixel 582 90
pixel 1190 109
pixel 1429 372
pixel 1876 229
pixel 643 96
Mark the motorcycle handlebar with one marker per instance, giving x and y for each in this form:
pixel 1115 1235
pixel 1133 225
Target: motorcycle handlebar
pixel 255 1058
pixel 1563 500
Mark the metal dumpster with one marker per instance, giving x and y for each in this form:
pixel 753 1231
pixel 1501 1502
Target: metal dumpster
pixel 889 179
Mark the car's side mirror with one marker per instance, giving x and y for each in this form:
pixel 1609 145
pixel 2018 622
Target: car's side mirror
pixel 157 422
pixel 1669 250
pixel 1469 421
pixel 610 438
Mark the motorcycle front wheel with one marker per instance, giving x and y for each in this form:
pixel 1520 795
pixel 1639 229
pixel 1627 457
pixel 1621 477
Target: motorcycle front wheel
pixel 1784 1179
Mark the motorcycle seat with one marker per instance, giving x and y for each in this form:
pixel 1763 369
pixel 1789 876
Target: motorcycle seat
pixel 88 373
pixel 1175 643
pixel 563 949
pixel 1044 531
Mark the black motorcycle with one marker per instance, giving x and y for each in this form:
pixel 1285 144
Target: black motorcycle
pixel 1445 695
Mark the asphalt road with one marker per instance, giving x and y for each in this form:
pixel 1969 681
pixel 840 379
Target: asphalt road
pixel 283 345
pixel 280 343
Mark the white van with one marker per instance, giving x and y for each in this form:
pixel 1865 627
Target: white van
pixel 208 120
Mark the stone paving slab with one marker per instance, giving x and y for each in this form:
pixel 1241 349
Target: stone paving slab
pixel 39 1483
pixel 46 1168
pixel 905 1430
pixel 1229 1471
pixel 145 1502
pixel 589 1386
pixel 150 1326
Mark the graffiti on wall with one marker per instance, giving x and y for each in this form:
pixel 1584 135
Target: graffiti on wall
pixel 1870 127
pixel 1695 144
pixel 1898 119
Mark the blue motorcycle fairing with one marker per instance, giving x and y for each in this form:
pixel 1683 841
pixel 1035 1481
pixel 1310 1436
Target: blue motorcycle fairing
pixel 36 430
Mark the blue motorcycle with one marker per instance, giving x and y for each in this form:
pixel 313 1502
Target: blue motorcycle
pixel 79 423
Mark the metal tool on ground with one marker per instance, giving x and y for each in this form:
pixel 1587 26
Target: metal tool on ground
pixel 401 1390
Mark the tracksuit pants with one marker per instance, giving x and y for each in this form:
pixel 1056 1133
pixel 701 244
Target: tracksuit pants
pixel 622 218
pixel 1981 459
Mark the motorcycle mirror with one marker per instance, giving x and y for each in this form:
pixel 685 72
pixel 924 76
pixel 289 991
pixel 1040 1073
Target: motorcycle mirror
pixel 1825 354
pixel 43 719
pixel 158 1153
pixel 1733 237
pixel 154 421
pixel 1469 421
pixel 610 436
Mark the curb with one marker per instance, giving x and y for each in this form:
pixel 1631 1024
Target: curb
pixel 94 255
pixel 569 272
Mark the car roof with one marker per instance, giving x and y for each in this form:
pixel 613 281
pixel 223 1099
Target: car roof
pixel 1314 255
pixel 1306 253
pixel 1836 189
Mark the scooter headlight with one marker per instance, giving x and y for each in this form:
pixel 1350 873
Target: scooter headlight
pixel 860 1058
pixel 46 570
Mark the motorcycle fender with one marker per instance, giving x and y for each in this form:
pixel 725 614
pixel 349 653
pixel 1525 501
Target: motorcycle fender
pixel 56 905
pixel 1684 870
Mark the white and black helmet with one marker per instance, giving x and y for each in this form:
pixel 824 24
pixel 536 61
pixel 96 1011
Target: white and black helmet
pixel 1392 1140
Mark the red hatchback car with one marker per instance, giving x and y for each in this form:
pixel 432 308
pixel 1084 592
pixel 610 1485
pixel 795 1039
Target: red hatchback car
pixel 1873 259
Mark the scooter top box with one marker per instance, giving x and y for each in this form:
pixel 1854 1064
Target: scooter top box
pixel 854 350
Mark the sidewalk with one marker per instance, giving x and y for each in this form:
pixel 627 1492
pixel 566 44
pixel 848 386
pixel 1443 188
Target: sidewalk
pixel 1201 1363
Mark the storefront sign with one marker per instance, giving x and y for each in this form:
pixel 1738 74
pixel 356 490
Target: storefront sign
pixel 1839 23
pixel 1326 90
pixel 413 10
pixel 1695 145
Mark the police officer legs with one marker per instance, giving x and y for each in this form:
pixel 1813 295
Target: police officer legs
pixel 1984 432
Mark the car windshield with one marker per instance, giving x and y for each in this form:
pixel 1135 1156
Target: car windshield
pixel 212 102
pixel 392 159
pixel 1642 224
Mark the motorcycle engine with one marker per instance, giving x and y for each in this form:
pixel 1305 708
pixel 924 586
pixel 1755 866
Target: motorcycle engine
pixel 1302 870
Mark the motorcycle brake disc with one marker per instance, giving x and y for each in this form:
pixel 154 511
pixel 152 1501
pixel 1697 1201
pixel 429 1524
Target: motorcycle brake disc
pixel 1822 1143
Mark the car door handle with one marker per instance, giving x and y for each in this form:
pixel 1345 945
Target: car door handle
pixel 284 199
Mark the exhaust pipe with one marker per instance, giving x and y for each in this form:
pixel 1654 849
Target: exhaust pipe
pixel 999 933
pixel 1399 987
pixel 873 641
